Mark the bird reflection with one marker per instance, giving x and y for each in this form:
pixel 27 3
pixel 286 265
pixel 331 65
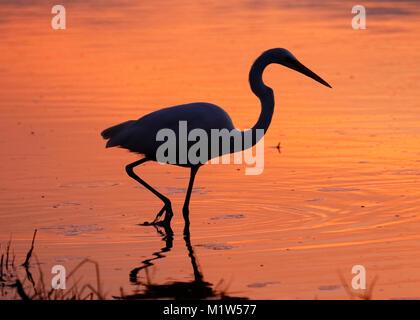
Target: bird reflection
pixel 178 290
pixel 168 236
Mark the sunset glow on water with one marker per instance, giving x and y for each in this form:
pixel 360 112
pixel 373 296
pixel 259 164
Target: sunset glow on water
pixel 343 189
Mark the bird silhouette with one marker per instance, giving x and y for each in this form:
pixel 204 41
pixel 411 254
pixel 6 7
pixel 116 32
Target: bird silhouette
pixel 139 136
pixel 197 288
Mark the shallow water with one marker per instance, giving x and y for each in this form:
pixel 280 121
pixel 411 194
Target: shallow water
pixel 342 191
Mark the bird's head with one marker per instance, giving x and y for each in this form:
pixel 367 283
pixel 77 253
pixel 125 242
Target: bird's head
pixel 287 59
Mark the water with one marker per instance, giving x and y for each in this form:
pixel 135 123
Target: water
pixel 343 190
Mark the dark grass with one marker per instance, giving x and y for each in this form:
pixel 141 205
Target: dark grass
pixel 32 285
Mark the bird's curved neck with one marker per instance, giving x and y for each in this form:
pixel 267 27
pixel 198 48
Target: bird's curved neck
pixel 264 94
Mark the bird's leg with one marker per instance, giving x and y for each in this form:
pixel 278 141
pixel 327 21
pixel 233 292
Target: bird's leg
pixel 198 276
pixel 168 237
pixel 167 207
pixel 185 209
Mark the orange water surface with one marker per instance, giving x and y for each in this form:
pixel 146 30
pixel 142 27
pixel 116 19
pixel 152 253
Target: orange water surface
pixel 342 191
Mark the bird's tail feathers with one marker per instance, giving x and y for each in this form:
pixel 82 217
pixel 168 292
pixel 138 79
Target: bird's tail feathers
pixel 114 131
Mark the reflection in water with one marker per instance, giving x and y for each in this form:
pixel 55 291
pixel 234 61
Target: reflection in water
pixel 167 236
pixel 178 290
pixel 58 89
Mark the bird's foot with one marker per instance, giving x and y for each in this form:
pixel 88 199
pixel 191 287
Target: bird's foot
pixel 163 223
pixel 146 223
pixel 160 223
pixel 167 209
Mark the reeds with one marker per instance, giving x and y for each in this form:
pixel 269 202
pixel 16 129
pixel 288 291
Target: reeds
pixel 35 288
pixel 364 295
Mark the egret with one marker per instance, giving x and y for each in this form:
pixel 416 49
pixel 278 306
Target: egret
pixel 139 136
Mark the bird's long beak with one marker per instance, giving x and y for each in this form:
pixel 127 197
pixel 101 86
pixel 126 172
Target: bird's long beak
pixel 296 65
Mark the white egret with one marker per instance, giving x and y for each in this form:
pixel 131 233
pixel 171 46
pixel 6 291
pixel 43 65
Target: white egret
pixel 140 135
